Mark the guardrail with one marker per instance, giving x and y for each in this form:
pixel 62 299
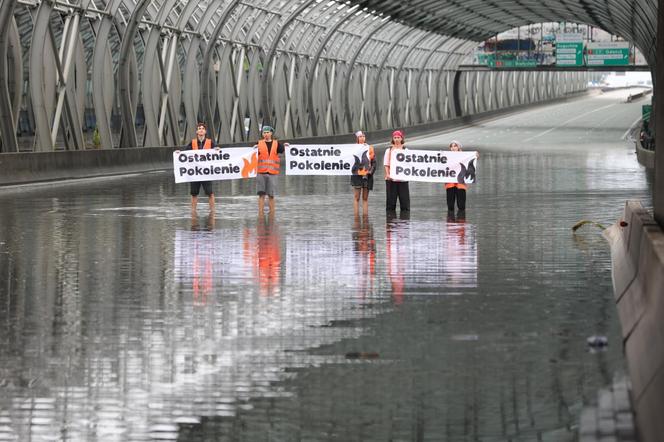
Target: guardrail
pixel 632 97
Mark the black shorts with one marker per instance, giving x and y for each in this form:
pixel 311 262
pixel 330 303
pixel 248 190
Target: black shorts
pixel 196 187
pixel 360 182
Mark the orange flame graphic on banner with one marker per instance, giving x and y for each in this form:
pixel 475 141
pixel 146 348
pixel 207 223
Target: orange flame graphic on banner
pixel 250 166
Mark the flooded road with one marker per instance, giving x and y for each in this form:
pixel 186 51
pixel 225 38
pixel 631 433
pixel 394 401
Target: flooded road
pixel 124 318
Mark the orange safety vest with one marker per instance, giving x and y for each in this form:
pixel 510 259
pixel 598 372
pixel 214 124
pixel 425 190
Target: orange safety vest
pixel 206 145
pixel 457 185
pixel 268 162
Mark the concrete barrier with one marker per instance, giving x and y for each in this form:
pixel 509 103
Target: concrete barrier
pixel 32 167
pixel 644 156
pixel 637 252
pixel 19 168
pixel 638 95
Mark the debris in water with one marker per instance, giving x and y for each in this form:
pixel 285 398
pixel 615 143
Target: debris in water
pixel 362 355
pixel 597 342
pixel 583 222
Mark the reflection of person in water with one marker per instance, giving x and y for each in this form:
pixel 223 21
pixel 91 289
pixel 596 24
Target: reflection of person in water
pixel 460 264
pixel 263 253
pixel 202 256
pixel 396 260
pixel 365 248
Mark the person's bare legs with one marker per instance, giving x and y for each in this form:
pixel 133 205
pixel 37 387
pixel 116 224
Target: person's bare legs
pixel 271 204
pixel 356 200
pixel 365 201
pixel 194 202
pixel 211 202
pixel 261 204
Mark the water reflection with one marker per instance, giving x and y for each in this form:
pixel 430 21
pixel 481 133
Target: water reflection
pixel 397 243
pixel 265 256
pixel 122 318
pixel 364 246
pixel 430 257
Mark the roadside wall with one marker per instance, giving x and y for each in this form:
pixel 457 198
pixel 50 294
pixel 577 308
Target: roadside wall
pixel 637 252
pixel 23 168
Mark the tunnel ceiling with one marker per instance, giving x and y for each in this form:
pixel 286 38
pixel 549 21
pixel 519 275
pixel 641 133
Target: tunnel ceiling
pixel 633 20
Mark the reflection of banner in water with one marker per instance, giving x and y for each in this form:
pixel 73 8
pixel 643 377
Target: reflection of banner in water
pixel 321 260
pixel 430 255
pixel 262 252
pixel 460 265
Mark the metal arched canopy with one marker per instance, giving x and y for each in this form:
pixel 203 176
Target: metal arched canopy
pixel 477 20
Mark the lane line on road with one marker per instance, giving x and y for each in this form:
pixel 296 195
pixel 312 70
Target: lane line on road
pixel 568 121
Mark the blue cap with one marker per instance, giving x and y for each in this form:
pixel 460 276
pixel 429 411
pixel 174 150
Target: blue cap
pixel 268 129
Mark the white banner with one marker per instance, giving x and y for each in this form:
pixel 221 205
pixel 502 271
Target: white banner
pixel 433 166
pixel 325 159
pixel 215 164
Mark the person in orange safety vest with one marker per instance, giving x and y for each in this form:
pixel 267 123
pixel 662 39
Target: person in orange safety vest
pixel 201 142
pixel 456 191
pixel 268 168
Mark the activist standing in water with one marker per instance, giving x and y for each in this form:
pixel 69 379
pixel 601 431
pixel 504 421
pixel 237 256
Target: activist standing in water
pixel 201 142
pixel 456 191
pixel 268 168
pixel 362 177
pixel 394 188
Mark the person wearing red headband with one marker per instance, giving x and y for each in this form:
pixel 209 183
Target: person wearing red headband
pixel 395 189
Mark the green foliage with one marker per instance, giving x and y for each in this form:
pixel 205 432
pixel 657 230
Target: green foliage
pixel 96 138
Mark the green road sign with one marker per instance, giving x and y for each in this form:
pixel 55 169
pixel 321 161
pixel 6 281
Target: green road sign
pixel 569 54
pixel 646 110
pixel 491 61
pixel 609 53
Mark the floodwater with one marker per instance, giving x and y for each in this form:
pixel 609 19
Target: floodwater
pixel 124 318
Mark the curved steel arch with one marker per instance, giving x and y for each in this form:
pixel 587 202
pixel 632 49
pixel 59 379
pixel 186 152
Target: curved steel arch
pixel 351 65
pixel 314 66
pixel 127 111
pixel 267 89
pixel 8 141
pixel 296 62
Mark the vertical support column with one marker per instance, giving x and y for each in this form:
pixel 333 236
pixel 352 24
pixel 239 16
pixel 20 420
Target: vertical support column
pixel 7 128
pixel 363 91
pixel 289 95
pixel 102 73
pixel 458 112
pixel 658 188
pixel 390 91
pixel 236 118
pixel 124 78
pixel 428 105
pixel 330 92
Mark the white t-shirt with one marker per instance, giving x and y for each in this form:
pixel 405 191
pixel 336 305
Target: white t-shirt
pixel 386 162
